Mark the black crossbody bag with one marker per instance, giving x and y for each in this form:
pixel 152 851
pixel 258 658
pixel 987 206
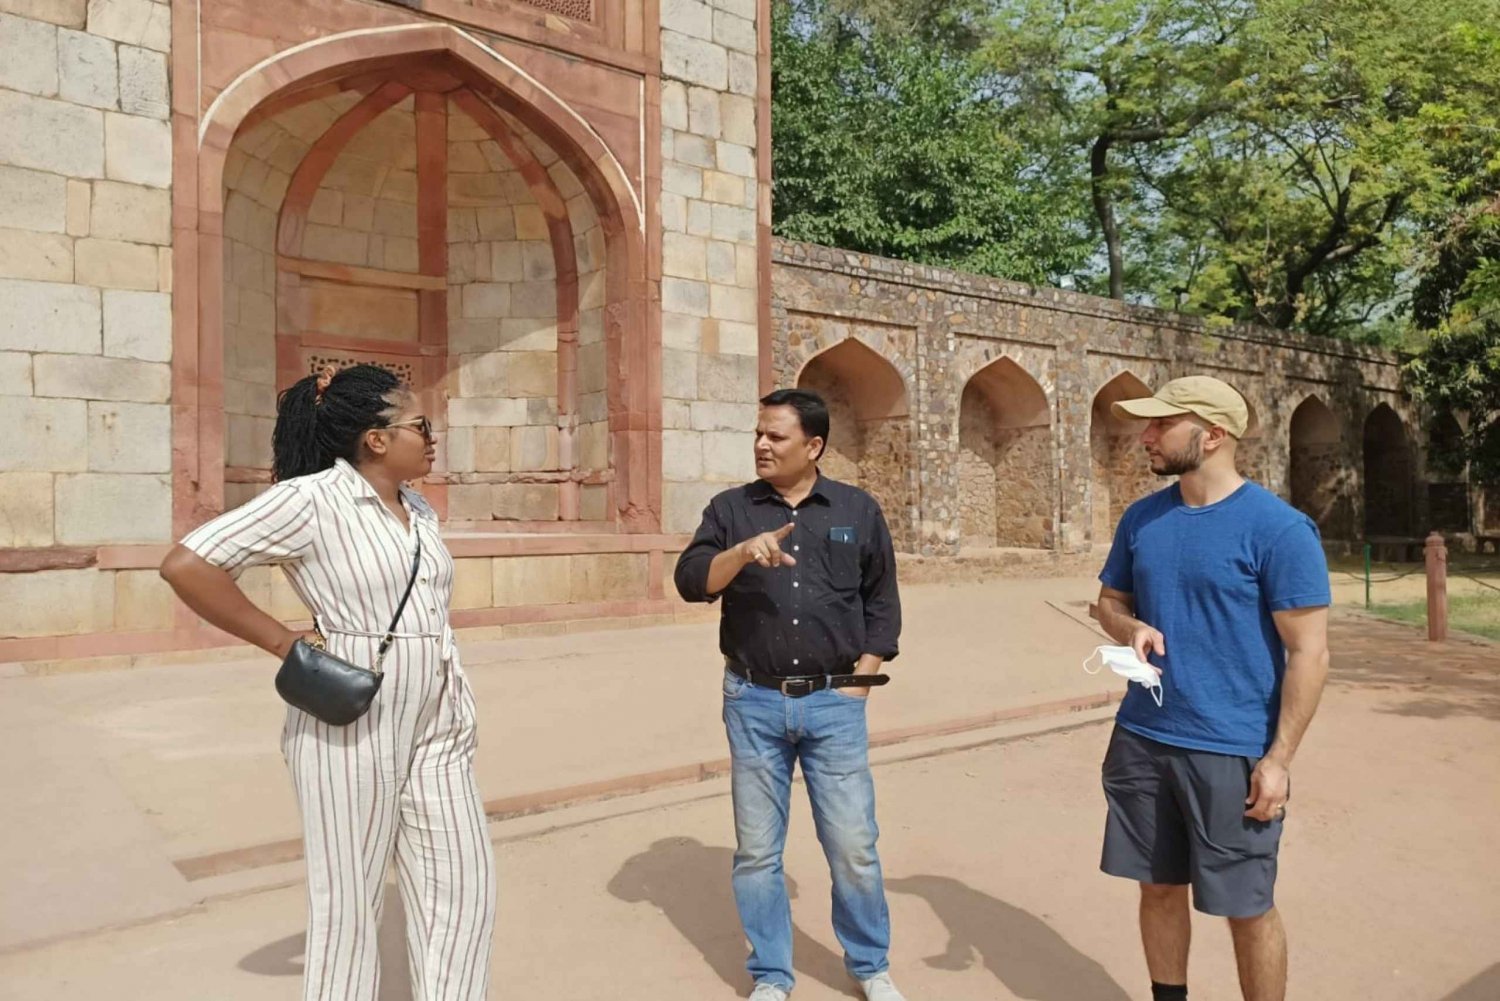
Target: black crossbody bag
pixel 334 690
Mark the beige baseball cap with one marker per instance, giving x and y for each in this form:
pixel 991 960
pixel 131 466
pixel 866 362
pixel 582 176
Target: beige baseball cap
pixel 1212 399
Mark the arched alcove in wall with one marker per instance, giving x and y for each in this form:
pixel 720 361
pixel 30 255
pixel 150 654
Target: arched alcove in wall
pixel 1389 467
pixel 1119 473
pixel 410 198
pixel 1006 472
pixel 869 436
pixel 1318 480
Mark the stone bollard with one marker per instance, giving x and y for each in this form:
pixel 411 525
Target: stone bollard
pixel 1436 552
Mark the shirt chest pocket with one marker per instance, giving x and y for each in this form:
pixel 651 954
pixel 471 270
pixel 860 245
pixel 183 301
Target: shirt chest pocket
pixel 843 565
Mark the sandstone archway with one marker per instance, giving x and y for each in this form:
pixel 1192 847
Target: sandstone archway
pixel 1447 486
pixel 869 438
pixel 411 198
pixel 1251 452
pixel 1389 468
pixel 1119 473
pixel 1006 472
pixel 1318 475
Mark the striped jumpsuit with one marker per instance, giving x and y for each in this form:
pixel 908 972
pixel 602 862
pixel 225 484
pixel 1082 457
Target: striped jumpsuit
pixel 399 782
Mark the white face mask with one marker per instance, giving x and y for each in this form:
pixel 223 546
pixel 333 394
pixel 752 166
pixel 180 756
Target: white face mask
pixel 1123 661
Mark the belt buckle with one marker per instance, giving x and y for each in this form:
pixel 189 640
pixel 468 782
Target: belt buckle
pixel 806 685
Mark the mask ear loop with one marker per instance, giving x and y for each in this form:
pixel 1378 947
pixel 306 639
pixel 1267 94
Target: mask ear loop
pixel 1155 691
pixel 1098 652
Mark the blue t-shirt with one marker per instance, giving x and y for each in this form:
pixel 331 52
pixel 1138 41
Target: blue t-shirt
pixel 1209 578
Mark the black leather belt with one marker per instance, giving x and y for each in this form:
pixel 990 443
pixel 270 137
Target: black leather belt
pixel 804 684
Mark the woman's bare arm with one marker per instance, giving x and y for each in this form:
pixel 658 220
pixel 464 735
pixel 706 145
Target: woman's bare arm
pixel 214 595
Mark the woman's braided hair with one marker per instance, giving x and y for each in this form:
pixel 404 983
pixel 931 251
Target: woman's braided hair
pixel 323 417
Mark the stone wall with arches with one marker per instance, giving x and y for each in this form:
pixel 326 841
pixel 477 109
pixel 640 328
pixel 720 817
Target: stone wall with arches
pixel 978 476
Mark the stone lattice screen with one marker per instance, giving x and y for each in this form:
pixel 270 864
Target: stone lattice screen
pixel 317 360
pixel 578 10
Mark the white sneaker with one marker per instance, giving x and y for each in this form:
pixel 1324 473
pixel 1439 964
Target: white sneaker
pixel 880 988
pixel 768 992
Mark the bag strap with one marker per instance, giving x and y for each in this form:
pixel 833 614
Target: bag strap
pixel 389 638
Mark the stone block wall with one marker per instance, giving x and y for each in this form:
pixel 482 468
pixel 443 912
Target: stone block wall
pixel 1025 485
pixel 710 284
pixel 867 451
pixel 256 174
pixel 365 210
pixel 1005 484
pixel 85 278
pixel 502 327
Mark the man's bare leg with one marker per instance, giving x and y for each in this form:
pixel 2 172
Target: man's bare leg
pixel 1260 953
pixel 1166 930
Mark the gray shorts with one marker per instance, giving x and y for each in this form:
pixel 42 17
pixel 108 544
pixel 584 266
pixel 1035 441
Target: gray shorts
pixel 1177 816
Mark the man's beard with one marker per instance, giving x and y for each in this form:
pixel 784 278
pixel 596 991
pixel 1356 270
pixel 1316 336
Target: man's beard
pixel 1185 461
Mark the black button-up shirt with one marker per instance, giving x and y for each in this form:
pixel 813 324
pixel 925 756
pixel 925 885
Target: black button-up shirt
pixel 818 617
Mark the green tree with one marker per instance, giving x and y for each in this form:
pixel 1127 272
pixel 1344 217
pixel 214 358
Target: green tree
pixel 1298 164
pixel 894 145
pixel 1455 306
pixel 955 26
pixel 1458 373
pixel 1112 80
pixel 1311 201
pixel 1267 161
pixel 1460 278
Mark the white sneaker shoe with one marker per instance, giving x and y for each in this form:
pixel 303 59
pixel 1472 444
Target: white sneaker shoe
pixel 880 988
pixel 770 992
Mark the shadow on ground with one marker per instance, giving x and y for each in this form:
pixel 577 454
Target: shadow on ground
pixel 1433 681
pixel 1021 950
pixel 1484 987
pixel 689 882
pixel 284 957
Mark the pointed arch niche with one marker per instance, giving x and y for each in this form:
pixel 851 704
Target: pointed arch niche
pixel 1390 469
pixel 413 200
pixel 1006 473
pixel 1252 452
pixel 869 435
pixel 1318 474
pixel 1119 472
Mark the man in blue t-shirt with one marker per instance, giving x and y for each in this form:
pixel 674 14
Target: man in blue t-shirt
pixel 1223 588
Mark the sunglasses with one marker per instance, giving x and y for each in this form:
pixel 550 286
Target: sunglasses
pixel 421 425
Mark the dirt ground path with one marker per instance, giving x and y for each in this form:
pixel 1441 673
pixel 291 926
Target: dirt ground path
pixel 1389 874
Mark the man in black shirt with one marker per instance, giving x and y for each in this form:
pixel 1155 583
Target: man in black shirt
pixel 807 573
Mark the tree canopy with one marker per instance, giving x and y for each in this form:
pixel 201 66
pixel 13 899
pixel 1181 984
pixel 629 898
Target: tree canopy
pixel 1329 168
pixel 893 144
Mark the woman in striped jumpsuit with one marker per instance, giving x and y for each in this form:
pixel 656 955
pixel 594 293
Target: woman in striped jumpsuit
pixel 398 782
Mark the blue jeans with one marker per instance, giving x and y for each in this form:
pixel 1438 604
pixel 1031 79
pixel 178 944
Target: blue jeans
pixel 768 733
